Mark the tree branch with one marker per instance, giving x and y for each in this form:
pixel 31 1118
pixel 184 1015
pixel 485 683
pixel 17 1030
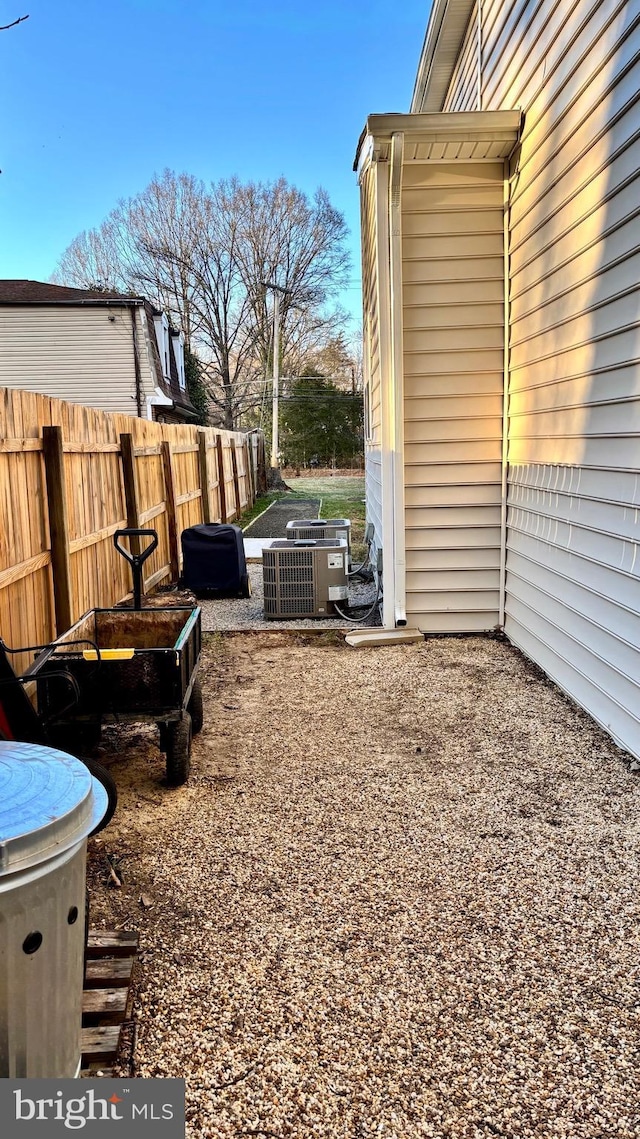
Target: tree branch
pixel 20 20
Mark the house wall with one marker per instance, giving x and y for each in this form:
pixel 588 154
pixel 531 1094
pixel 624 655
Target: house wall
pixel 574 408
pixel 453 320
pixel 84 354
pixel 372 350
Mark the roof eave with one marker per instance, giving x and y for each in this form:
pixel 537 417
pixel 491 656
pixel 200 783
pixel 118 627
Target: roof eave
pixel 445 33
pixel 459 135
pixel 86 302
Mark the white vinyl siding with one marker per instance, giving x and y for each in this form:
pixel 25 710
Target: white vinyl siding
pixel 573 596
pixel 84 354
pixel 453 318
pixel 572 584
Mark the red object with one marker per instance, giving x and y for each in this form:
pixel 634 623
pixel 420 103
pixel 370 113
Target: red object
pixel 5 729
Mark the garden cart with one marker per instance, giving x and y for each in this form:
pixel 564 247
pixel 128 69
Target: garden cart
pixel 129 665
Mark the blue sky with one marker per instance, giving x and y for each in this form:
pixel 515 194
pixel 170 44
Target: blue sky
pixel 97 97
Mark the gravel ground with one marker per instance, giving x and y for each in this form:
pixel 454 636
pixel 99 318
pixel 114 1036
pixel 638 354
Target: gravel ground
pixel 235 615
pixel 399 897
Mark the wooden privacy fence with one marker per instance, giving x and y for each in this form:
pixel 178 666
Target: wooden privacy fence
pixel 70 476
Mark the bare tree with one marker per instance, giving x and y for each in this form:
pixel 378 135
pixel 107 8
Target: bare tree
pixel 226 333
pixel 204 254
pixel 299 245
pixel 95 260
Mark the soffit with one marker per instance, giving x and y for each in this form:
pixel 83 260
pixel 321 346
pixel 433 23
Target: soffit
pixel 468 136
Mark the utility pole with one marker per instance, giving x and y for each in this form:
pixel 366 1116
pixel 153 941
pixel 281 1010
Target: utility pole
pixel 276 379
pixel 277 292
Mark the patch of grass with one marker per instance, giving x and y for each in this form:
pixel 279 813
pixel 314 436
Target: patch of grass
pixel 340 497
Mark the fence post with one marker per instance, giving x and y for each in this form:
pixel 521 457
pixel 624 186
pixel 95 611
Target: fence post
pixel 255 445
pixel 248 462
pixel 204 474
pixel 262 464
pixel 58 526
pixel 236 484
pixel 130 479
pixel 172 512
pixel 221 484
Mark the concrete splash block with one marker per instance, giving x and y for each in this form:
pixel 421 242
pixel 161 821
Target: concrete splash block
pixel 375 638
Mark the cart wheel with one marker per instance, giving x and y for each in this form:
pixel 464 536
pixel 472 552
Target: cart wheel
pixel 195 708
pixel 178 741
pixel 103 776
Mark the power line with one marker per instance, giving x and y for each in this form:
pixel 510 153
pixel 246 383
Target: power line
pixel 283 379
pixel 314 399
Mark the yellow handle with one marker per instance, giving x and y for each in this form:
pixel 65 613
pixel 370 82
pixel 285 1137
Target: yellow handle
pixel 108 654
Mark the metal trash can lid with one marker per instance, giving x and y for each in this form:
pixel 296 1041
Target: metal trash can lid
pixel 49 801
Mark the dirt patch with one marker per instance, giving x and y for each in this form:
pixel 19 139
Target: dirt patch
pixel 398 896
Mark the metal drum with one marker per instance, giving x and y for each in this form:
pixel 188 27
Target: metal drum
pixel 49 803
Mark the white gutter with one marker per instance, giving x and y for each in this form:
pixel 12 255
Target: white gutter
pixel 429 47
pixel 396 380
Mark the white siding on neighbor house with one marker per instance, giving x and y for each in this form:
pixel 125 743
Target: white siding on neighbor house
pixel 453 319
pixel 84 355
pixel 573 596
pixel 371 347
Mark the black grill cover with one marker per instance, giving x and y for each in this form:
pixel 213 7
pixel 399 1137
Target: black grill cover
pixel 214 564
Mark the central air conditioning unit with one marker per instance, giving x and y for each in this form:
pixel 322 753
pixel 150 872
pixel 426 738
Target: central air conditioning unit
pixel 300 528
pixel 304 578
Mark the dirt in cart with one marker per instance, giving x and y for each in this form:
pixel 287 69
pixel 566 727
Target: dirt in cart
pixel 398 896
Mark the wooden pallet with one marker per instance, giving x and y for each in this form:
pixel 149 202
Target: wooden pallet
pixel 106 1000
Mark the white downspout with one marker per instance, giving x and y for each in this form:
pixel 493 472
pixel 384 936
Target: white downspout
pixel 505 398
pixel 397 381
pixel 386 408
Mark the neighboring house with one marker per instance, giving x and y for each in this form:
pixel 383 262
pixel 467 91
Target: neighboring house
pixel 501 265
pixel 100 349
